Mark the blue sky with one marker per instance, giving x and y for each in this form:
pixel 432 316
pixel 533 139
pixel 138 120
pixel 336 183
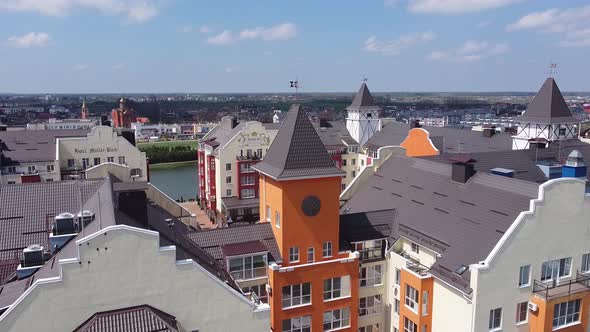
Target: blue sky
pixel 122 46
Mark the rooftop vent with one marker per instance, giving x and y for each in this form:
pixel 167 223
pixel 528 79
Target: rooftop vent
pixel 489 132
pixel 502 172
pixel 463 168
pixel 574 166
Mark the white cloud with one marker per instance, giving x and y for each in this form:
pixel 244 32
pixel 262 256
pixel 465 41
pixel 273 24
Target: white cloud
pixel 205 29
pixel 185 29
pixel 229 70
pixel 119 66
pixel 80 67
pixel 394 47
pixel 134 11
pixel 391 3
pixel 455 6
pixel 31 39
pixel 571 24
pixel 483 24
pixel 284 31
pixel 470 51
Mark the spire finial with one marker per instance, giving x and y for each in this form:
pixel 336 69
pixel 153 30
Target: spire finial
pixel 365 79
pixel 552 69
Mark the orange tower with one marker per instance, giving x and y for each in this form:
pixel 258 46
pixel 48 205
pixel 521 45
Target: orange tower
pixel 316 285
pixel 123 116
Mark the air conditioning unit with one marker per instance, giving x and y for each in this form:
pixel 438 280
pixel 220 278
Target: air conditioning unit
pixel 533 307
pixel 33 256
pixel 64 224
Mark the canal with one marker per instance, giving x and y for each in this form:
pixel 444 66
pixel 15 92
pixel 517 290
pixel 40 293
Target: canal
pixel 177 180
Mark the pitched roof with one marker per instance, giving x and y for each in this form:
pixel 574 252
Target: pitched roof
pixel 334 135
pixel 32 145
pixel 462 222
pixel 143 318
pixel 363 100
pixel 548 106
pixel 364 226
pixel 445 139
pixel 297 150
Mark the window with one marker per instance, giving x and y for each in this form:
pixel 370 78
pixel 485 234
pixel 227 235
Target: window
pixel 294 295
pixel 370 328
pixel 562 131
pixel 336 319
pixel 278 224
pixel 249 153
pixel 353 174
pixel 342 187
pixel 228 192
pixel 228 167
pixel 524 276
pixel 49 180
pixel 121 160
pixel 398 276
pixel 96 161
pixel 294 254
pixel 585 263
pixel 557 268
pixel 396 307
pixel 370 276
pixel 297 324
pixel 424 303
pixel 566 313
pixel 495 322
pixel 247 267
pixel 32 169
pixel 11 169
pixel 415 248
pixel 246 168
pixel 247 193
pixel 410 326
pixel 85 162
pixel 411 300
pixel 343 162
pixel 335 288
pixel 259 290
pixel 259 153
pixel 228 179
pixel 247 180
pixel 327 249
pixel 110 159
pixel 268 213
pixel 522 312
pixel 362 162
pixel 11 182
pixel 135 172
pixel 310 255
pixel 50 168
pixel 370 305
pixel 71 163
pixel 353 162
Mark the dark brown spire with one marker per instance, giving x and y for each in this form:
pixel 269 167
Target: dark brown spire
pixel 363 100
pixel 297 150
pixel 548 106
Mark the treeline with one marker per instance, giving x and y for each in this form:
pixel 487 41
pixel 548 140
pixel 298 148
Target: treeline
pixel 169 154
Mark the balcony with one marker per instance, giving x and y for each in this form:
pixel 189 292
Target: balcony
pixel 553 290
pixel 254 273
pixel 252 157
pixel 413 264
pixel 371 254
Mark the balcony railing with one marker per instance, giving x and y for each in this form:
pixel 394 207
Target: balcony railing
pixel 552 290
pixel 369 311
pixel 413 264
pixel 250 157
pixel 257 272
pixel 370 254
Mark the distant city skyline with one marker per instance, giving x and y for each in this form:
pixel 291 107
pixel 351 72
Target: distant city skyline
pixel 182 46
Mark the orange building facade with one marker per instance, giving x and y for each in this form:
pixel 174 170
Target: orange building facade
pixel 416 293
pixel 561 298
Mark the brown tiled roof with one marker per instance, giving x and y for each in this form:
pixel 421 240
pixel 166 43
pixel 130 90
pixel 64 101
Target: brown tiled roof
pixel 32 145
pixel 548 106
pixel 143 318
pixel 363 100
pixel 297 150
pixel 364 226
pixel 243 248
pixel 334 135
pixel 213 240
pixel 462 222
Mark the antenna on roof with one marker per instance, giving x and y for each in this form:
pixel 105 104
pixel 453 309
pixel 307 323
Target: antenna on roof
pixel 552 68
pixel 365 79
pixel 295 84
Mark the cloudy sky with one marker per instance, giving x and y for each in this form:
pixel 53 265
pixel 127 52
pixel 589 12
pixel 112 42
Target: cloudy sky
pixel 89 46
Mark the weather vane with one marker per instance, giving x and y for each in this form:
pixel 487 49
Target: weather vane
pixel 552 68
pixel 295 84
pixel 365 79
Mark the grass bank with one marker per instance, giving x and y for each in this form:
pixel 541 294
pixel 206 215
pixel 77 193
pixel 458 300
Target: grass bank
pixel 173 165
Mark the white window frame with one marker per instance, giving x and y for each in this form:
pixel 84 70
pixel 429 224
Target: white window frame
pixel 494 313
pixel 277 219
pixel 554 267
pixel 585 267
pixel 121 160
pixel 398 276
pixel 425 303
pixel 268 213
pixel 519 307
pixel 297 297
pixel 336 288
pixel 415 247
pixel 411 298
pixel 327 249
pixel 396 305
pixel 248 271
pixel 370 305
pixel 297 324
pixel 310 253
pixel 373 275
pixel 247 193
pixel 50 168
pixel 228 179
pixel 409 325
pixel 336 323
pixel 11 169
pixel 228 192
pixel 570 313
pixel 293 254
pixel 521 276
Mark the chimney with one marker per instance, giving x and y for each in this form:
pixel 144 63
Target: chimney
pixel 574 166
pixel 463 168
pixel 489 132
pixel 415 124
pixel 323 123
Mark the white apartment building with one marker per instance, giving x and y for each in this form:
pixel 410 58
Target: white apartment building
pixel 57 124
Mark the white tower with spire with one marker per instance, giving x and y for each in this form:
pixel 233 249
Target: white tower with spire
pixel 363 120
pixel 547 119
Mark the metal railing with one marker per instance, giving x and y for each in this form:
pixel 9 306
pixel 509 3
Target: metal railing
pixel 554 289
pixel 369 254
pixel 257 272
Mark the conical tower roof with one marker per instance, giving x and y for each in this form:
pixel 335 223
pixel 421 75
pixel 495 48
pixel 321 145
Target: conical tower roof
pixel 297 151
pixel 548 106
pixel 363 100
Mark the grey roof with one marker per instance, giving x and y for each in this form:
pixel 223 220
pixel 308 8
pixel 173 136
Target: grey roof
pixel 235 203
pixel 524 162
pixel 297 150
pixel 222 132
pixel 445 139
pixel 462 222
pixel 363 100
pixel 334 135
pixel 213 240
pixel 143 318
pixel 32 145
pixel 363 226
pixel 548 106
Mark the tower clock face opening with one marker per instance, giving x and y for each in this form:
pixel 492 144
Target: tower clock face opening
pixel 311 206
